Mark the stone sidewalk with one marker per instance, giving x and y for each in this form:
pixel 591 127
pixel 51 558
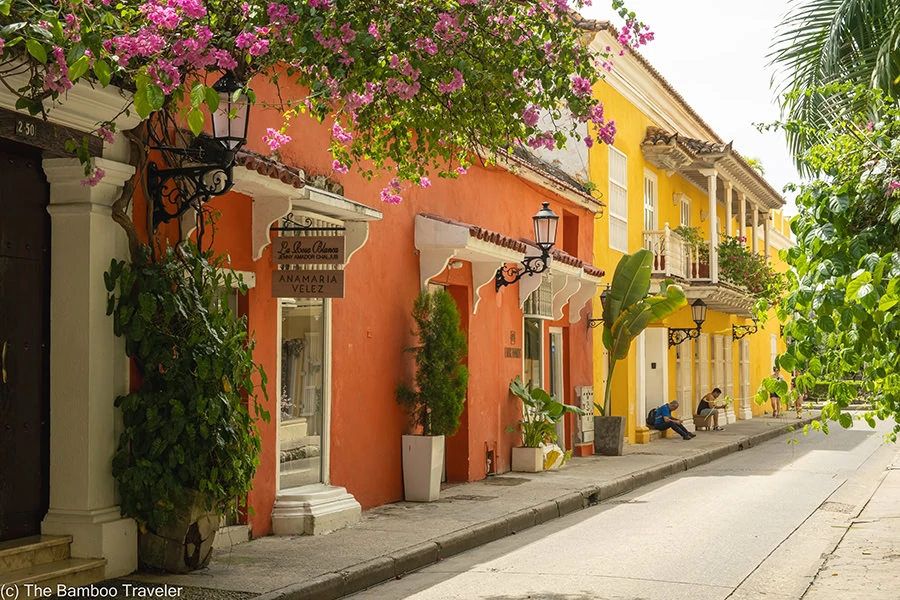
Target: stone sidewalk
pixel 398 538
pixel 866 562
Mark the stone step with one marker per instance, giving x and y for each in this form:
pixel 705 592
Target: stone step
pixel 35 581
pixel 32 551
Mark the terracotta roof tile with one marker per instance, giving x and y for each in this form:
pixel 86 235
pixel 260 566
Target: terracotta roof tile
pixel 552 172
pixel 274 169
pixel 594 271
pixel 657 136
pixel 492 237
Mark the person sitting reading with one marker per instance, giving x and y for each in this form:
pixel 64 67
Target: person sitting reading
pixel 665 420
pixel 708 408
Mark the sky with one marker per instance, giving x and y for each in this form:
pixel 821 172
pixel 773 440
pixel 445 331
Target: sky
pixel 714 53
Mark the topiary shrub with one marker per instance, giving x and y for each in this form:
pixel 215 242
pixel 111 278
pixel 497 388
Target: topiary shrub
pixel 438 399
pixel 188 427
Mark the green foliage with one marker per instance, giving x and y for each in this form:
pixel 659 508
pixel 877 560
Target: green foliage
pixel 740 266
pixel 842 310
pixel 438 399
pixel 540 414
pixel 628 309
pixel 188 426
pixel 693 237
pixel 824 42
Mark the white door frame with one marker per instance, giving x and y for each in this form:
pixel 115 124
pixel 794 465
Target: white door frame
pixel 557 363
pixel 639 384
pixel 746 411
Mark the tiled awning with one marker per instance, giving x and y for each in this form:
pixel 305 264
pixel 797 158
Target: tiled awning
pixel 440 239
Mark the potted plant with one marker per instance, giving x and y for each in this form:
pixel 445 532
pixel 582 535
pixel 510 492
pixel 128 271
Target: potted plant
pixel 437 401
pixel 627 311
pixel 698 250
pixel 190 445
pixel 540 414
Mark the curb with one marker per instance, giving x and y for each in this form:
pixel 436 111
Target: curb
pixel 332 586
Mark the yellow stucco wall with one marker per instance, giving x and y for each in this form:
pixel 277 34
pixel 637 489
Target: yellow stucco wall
pixel 632 126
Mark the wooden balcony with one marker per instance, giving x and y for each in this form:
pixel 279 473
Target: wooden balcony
pixel 674 259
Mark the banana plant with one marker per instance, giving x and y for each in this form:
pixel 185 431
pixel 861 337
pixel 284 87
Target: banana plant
pixel 540 413
pixel 628 309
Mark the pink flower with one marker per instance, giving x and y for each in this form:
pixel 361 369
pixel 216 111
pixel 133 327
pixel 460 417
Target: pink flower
pixel 275 139
pixel 96 175
pixel 424 182
pixel 456 83
pixel 338 167
pixel 462 170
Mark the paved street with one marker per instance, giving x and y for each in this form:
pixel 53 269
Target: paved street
pixel 754 524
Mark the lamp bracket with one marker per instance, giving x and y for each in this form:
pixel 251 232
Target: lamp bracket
pixel 202 183
pixel 304 223
pixel 677 335
pixel 740 331
pixel 531 265
pixel 595 323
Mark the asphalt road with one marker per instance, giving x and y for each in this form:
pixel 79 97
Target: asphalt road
pixel 755 524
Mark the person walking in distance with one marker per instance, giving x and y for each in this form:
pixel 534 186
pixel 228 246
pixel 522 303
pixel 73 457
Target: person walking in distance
pixel 774 397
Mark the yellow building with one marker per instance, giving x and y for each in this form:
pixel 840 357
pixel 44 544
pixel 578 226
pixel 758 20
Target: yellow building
pixel 669 169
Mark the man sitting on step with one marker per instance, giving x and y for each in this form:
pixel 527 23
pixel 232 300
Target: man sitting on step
pixel 708 408
pixel 665 420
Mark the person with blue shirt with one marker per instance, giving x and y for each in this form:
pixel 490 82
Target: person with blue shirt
pixel 665 420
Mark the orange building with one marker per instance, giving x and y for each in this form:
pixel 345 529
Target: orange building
pixel 335 356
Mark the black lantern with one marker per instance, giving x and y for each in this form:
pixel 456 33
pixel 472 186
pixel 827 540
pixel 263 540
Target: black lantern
pixel 174 191
pixel 594 323
pixel 680 334
pixel 740 331
pixel 545 224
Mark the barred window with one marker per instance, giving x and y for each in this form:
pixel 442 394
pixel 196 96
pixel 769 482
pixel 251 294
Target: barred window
pixel 539 304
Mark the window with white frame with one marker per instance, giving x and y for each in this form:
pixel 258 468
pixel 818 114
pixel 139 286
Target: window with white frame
pixel 650 201
pixel 685 211
pixel 618 200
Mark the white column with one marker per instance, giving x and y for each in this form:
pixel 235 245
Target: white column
pixel 711 179
pixel 755 209
pixel 742 214
pixel 766 235
pixel 728 213
pixel 88 366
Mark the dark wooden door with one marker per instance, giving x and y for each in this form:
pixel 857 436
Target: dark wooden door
pixel 24 342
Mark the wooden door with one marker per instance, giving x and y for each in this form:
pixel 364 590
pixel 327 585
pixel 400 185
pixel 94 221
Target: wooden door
pixel 24 343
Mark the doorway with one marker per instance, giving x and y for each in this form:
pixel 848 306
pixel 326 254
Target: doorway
pixel 557 383
pixel 24 342
pixel 302 401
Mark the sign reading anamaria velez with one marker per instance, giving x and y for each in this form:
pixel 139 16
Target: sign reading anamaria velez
pixel 308 250
pixel 307 284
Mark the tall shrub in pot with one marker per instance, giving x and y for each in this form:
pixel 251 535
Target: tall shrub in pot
pixel 627 310
pixel 436 401
pixel 190 445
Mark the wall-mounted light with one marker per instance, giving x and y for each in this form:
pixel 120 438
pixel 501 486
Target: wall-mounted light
pixel 545 224
pixel 594 323
pixel 174 191
pixel 680 334
pixel 740 331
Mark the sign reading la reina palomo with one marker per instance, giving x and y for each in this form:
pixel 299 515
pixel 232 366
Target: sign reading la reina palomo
pixel 308 250
pixel 308 284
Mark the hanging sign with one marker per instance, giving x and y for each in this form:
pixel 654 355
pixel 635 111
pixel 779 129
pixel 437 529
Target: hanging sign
pixel 307 284
pixel 308 250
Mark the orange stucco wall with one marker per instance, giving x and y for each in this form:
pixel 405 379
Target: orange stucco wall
pixel 371 325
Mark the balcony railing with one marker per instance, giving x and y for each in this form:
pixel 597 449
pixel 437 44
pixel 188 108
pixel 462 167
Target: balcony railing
pixel 672 257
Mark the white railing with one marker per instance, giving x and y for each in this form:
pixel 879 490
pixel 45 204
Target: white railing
pixel 672 257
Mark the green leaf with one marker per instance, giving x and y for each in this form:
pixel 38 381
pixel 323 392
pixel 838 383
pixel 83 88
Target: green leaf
pixel 846 420
pixel 79 67
pixel 141 103
pixel 839 203
pixel 198 95
pixel 195 121
pixel 212 99
pixel 36 49
pixel 103 72
pixel 4 7
pixel 155 96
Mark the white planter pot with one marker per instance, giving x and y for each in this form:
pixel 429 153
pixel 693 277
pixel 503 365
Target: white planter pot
pixel 423 462
pixel 528 460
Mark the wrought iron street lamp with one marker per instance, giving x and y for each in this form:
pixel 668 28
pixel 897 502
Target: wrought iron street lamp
pixel 740 331
pixel 594 323
pixel 545 224
pixel 174 191
pixel 680 334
